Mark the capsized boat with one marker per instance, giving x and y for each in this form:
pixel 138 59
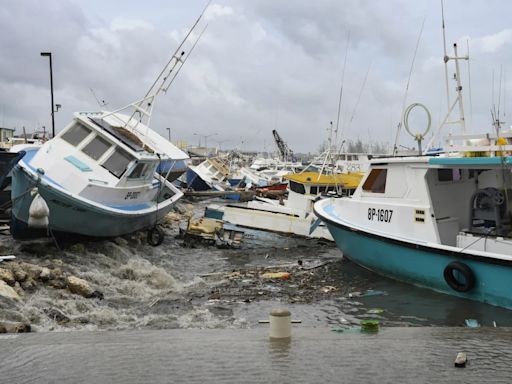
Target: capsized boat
pixel 293 215
pixel 98 177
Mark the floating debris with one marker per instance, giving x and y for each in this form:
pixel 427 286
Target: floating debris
pixel 472 323
pixel 212 232
pixel 461 359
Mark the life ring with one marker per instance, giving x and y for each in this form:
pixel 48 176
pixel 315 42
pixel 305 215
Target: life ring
pixel 155 236
pixel 464 284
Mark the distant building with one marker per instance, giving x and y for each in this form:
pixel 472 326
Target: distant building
pixel 6 134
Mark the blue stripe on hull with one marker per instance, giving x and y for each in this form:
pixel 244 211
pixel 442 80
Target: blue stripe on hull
pixel 69 215
pixel 423 268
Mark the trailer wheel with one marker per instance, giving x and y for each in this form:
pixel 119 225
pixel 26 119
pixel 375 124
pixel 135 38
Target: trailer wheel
pixel 155 236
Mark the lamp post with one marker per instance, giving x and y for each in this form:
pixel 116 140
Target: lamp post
pixel 169 133
pixel 49 54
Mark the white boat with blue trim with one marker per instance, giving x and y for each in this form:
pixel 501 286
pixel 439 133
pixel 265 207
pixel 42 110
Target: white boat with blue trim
pixel 103 174
pixel 442 223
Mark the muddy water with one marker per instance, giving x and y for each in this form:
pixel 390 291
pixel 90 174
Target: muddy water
pixel 173 286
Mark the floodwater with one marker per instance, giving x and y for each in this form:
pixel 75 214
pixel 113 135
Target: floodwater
pixel 172 286
pixel 313 355
pixel 175 313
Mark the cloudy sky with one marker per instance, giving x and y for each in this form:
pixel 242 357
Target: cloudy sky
pixel 261 65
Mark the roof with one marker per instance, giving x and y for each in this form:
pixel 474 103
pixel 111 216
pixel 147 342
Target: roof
pixel 347 180
pixel 472 161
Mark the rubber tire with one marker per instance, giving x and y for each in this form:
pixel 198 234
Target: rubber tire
pixel 464 270
pixel 155 236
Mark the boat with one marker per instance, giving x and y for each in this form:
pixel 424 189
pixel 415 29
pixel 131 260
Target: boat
pixel 293 215
pixel 210 174
pixel 441 222
pixel 98 177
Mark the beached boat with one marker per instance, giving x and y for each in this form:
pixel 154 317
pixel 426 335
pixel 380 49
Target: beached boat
pixel 99 176
pixel 293 215
pixel 96 177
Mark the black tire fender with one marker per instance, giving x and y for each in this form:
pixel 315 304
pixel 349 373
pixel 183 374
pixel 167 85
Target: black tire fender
pixel 463 269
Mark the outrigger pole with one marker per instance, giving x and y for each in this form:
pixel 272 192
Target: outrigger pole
pixel 143 108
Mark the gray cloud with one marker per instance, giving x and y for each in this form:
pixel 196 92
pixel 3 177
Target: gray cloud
pixel 261 65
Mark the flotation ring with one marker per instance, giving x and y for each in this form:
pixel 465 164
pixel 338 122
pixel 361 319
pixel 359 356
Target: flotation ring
pixel 465 282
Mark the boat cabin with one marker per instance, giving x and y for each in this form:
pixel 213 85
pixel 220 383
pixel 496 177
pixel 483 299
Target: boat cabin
pixel 447 200
pixel 102 159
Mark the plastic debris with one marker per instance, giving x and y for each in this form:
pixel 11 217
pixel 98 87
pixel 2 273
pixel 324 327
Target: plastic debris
pixel 276 275
pixel 371 292
pixel 461 359
pixel 369 326
pixel 472 323
pixel 328 289
pixel 375 311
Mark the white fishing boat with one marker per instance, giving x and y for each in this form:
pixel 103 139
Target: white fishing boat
pixel 439 222
pixel 98 177
pixel 293 215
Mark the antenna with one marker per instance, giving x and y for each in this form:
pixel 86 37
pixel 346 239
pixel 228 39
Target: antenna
pixel 100 104
pixel 341 87
pixel 469 84
pixel 408 83
pixel 445 58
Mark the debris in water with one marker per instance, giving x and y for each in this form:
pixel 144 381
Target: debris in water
pixel 375 311
pixel 276 275
pixel 460 360
pixel 472 323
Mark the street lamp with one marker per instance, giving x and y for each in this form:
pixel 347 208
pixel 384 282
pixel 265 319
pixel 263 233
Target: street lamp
pixel 49 54
pixel 169 133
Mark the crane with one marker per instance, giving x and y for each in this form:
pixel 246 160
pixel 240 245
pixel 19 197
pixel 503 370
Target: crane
pixel 285 153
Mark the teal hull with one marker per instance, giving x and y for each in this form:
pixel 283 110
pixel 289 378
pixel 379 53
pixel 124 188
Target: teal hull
pixel 72 216
pixel 424 266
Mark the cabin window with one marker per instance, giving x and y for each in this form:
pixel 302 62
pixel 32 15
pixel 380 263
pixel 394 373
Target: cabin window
pixel 314 190
pixel 450 174
pixel 140 171
pixel 297 187
pixel 118 162
pixel 96 148
pixel 376 181
pixel 76 134
pixel 322 189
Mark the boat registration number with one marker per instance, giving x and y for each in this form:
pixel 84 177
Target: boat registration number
pixel 383 215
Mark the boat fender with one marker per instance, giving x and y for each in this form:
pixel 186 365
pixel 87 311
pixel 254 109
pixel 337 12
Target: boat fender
pixel 38 212
pixel 155 236
pixel 464 284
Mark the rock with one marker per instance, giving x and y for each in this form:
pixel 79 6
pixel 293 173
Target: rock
pixel 18 272
pixel 58 283
pixel 33 271
pixel 120 241
pixel 171 217
pixel 56 315
pixel 29 284
pixel 79 286
pixel 18 289
pixel 8 292
pixel 78 248
pixel 45 274
pixel 8 327
pixel 7 276
pixel 56 273
pixel 57 262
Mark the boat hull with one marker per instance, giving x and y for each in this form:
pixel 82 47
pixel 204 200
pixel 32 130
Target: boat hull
pixel 69 215
pixel 268 221
pixel 421 265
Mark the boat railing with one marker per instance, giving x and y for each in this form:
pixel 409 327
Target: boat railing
pixel 480 144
